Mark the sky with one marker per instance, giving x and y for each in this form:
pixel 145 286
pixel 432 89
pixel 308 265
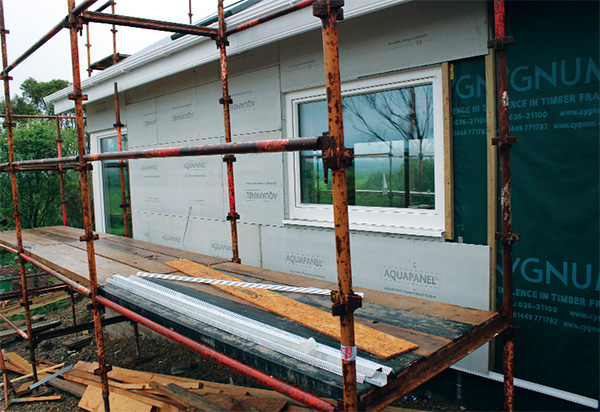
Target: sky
pixel 28 23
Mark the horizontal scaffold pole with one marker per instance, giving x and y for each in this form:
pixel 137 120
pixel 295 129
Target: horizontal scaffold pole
pixel 259 20
pixel 263 146
pixel 53 32
pixel 95 17
pixel 36 116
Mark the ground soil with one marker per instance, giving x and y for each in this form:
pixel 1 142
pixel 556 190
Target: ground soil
pixel 121 351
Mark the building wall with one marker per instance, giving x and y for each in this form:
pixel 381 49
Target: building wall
pixel 183 202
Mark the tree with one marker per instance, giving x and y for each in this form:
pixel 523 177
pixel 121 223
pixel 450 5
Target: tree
pixel 34 93
pixel 39 191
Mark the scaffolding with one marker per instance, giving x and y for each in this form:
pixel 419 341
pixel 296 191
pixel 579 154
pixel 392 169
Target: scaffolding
pixel 336 158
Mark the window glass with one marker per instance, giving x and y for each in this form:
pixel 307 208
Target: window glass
pixel 392 134
pixel 112 187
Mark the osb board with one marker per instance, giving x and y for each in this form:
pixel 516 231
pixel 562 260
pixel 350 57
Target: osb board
pixel 368 339
pixel 391 300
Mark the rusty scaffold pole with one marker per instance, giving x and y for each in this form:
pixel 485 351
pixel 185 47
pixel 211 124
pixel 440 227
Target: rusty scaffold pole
pixel 506 237
pixel 9 125
pixel 122 164
pixel 61 172
pixel 83 167
pixel 222 44
pixel 337 158
pixel 114 33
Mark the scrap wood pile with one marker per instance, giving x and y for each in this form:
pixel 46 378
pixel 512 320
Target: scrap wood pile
pixel 132 390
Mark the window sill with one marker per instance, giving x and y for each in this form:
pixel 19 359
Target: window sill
pixel 363 227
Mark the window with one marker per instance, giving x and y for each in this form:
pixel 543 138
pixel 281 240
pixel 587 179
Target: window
pixel 394 124
pixel 111 186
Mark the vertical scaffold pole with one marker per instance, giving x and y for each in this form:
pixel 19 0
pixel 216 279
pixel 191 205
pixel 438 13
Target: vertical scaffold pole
pixel 89 236
pixel 114 34
pixel 122 164
pixel 61 177
pixel 9 125
pixel 337 158
pixel 222 44
pixel 506 237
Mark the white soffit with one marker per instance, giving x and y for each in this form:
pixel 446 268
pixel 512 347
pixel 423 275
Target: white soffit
pixel 167 57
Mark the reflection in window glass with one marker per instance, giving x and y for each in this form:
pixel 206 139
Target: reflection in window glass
pixel 113 214
pixel 391 133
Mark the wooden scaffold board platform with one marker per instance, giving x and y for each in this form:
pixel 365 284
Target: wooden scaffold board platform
pixel 444 333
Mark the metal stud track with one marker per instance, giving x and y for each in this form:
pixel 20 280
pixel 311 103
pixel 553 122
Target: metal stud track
pixel 281 341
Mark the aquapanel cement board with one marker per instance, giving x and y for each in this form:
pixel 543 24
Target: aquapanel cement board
pixel 411 35
pixel 209 237
pixel 142 125
pixel 259 184
pixel 101 114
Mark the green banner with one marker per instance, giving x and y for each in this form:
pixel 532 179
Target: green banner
pixel 554 110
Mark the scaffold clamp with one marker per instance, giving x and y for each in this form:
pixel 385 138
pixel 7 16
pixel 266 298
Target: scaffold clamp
pixel 102 369
pixel 321 8
pixel 89 236
pixel 508 238
pixel 501 43
pixel 344 304
pixel 229 158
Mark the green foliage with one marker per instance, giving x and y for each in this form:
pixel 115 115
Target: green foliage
pixel 39 191
pixel 34 93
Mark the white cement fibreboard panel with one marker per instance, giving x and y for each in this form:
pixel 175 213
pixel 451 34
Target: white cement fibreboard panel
pixel 256 103
pixel 259 183
pixel 455 273
pixel 142 124
pixel 209 237
pixel 141 225
pixel 210 113
pixel 302 251
pixel 253 59
pixel 459 273
pixel 101 114
pixel 183 186
pixel 177 117
pixel 406 36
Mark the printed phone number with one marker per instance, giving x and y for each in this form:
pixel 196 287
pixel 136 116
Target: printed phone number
pixel 536 318
pixel 528 115
pixel 528 127
pixel 536 306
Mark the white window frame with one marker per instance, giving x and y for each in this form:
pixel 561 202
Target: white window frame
pixel 420 222
pixel 97 179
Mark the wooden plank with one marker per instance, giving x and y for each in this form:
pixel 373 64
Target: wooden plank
pixel 29 375
pixel 92 401
pixel 391 300
pixel 492 181
pixel 371 340
pixel 448 158
pixel 37 399
pixel 73 388
pixel 189 399
pixel 9 238
pixel 131 376
pixel 121 253
pixel 93 380
pixel 36 302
